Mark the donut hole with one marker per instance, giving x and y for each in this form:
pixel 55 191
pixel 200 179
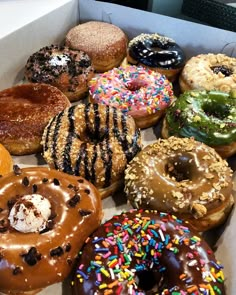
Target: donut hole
pixel 180 167
pixel 219 111
pixel 136 84
pixel 223 70
pixel 147 280
pixel 94 137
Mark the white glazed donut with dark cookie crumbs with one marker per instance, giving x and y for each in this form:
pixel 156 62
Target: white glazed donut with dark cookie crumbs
pixel 209 72
pixel 45 217
pixel 184 177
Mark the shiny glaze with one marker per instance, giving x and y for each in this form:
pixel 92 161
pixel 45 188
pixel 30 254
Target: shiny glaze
pixel 184 177
pixel 145 253
pixel 94 141
pixel 154 50
pixel 208 116
pixel 76 212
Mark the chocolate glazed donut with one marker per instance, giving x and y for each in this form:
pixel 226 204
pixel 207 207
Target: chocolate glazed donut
pixel 94 141
pixel 45 217
pixel 158 53
pixel 147 253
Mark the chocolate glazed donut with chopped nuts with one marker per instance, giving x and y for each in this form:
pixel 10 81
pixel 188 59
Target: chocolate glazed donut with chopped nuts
pixel 45 217
pixel 184 177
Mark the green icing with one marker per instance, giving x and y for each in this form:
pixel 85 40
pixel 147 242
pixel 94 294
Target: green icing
pixel 208 116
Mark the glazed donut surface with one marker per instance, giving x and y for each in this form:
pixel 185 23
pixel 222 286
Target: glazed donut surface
pixel 25 111
pixel 208 116
pixel 94 141
pixel 31 260
pixel 157 52
pixel 68 70
pixel 103 42
pixel 147 253
pixel 6 161
pixel 184 177
pixel 209 72
pixel 140 92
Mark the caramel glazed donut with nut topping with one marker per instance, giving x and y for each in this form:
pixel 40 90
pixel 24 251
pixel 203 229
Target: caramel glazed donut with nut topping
pixel 94 141
pixel 45 217
pixel 183 177
pixel 68 70
pixel 209 72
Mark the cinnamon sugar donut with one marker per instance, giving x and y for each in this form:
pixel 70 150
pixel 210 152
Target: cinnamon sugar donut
pixel 103 42
pixel 66 69
pixel 94 141
pixel 144 253
pixel 184 177
pixel 6 161
pixel 45 217
pixel 209 72
pixel 140 92
pixel 25 111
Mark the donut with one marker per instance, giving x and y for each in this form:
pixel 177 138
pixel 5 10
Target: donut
pixel 157 52
pixel 66 69
pixel 183 177
pixel 6 161
pixel 209 72
pixel 46 216
pixel 94 141
pixel 142 93
pixel 105 43
pixel 146 252
pixel 25 111
pixel 208 116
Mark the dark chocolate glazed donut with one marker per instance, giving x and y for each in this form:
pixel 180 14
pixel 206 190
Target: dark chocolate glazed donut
pixel 69 70
pixel 157 52
pixel 145 253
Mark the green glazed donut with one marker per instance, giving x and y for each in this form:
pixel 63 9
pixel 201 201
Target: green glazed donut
pixel 208 116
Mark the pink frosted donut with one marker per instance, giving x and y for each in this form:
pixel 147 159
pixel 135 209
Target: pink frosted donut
pixel 140 92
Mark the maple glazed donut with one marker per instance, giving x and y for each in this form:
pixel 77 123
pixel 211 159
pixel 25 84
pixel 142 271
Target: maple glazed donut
pixel 94 141
pixel 157 52
pixel 208 116
pixel 140 92
pixel 104 43
pixel 66 69
pixel 144 253
pixel 45 217
pixel 25 111
pixel 209 72
pixel 184 177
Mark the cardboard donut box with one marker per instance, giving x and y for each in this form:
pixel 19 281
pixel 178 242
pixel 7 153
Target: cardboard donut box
pixel 47 22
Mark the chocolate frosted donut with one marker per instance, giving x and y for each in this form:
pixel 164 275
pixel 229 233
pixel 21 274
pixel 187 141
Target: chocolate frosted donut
pixel 94 141
pixel 145 253
pixel 184 177
pixel 157 52
pixel 66 69
pixel 45 217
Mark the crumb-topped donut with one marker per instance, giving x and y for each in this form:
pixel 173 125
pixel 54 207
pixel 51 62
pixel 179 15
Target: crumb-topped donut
pixel 146 252
pixel 209 72
pixel 142 93
pixel 66 69
pixel 6 161
pixel 25 111
pixel 94 141
pixel 184 177
pixel 157 52
pixel 45 217
pixel 105 43
pixel 208 116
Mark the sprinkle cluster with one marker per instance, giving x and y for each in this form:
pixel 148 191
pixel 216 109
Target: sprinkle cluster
pixel 132 88
pixel 138 241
